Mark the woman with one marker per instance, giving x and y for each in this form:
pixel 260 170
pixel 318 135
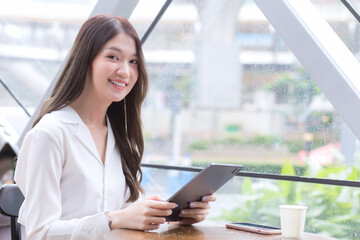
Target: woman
pixel 79 166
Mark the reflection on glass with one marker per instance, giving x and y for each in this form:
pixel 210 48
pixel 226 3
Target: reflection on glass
pixel 225 88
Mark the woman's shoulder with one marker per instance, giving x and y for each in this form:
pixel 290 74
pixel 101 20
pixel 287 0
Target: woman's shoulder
pixel 48 129
pixel 51 123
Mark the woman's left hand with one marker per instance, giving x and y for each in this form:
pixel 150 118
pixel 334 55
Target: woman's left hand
pixel 197 211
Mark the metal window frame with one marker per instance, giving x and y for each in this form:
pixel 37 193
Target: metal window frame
pixel 352 9
pixel 326 181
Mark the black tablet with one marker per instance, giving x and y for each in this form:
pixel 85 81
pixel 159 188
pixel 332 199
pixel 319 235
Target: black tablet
pixel 206 182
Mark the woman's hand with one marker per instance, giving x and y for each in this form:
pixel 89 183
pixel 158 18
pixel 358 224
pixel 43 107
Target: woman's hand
pixel 146 214
pixel 197 211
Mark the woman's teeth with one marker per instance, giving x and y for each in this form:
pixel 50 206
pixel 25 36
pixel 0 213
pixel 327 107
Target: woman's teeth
pixel 118 83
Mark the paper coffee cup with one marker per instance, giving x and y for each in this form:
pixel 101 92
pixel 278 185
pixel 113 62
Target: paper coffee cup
pixel 292 218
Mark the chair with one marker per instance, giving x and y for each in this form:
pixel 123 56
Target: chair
pixel 11 199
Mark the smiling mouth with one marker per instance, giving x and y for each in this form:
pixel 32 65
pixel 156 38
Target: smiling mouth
pixel 118 83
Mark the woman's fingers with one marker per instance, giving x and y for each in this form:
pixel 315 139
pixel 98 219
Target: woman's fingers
pixel 193 212
pixel 197 217
pixel 155 210
pixel 209 198
pixel 159 204
pixel 151 227
pixel 197 211
pixel 145 214
pixel 155 220
pixel 190 216
pixel 159 212
pixel 187 221
pixel 204 205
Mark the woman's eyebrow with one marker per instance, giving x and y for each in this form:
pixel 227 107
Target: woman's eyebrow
pixel 119 50
pixel 114 48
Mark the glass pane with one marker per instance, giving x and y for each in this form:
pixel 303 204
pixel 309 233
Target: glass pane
pixel 332 210
pixel 225 88
pixel 35 37
pixel 144 14
pixel 342 21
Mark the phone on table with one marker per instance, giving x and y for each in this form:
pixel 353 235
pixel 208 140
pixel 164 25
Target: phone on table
pixel 255 228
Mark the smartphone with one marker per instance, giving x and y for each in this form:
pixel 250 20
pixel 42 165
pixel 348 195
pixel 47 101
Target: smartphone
pixel 255 228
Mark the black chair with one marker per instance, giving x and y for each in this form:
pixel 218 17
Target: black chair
pixel 11 199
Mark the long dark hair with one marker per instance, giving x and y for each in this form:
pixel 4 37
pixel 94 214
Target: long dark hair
pixel 124 115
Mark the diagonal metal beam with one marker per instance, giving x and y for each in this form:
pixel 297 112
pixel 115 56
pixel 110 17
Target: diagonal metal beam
pixel 321 52
pixel 351 7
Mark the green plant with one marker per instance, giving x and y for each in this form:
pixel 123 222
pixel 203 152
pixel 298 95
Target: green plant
pixel 294 146
pixel 200 145
pixel 266 140
pixel 295 88
pixel 229 140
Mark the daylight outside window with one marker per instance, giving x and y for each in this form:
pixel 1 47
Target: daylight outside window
pixel 224 87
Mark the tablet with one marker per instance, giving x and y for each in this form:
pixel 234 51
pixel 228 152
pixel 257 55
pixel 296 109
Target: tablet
pixel 206 182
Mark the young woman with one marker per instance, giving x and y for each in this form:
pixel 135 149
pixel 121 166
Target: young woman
pixel 79 166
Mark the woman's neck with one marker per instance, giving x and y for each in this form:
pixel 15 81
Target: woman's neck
pixel 91 112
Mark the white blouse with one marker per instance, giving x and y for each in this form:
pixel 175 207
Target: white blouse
pixel 67 189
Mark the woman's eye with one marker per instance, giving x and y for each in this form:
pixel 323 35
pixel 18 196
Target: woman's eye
pixel 134 61
pixel 113 57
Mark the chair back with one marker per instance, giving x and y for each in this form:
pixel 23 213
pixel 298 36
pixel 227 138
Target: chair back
pixel 11 199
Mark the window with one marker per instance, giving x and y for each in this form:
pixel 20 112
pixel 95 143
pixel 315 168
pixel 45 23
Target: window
pixel 144 14
pixel 226 87
pixel 227 84
pixel 33 44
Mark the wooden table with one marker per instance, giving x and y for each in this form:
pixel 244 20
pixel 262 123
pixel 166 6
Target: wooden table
pixel 201 232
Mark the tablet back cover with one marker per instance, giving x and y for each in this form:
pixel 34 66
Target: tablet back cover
pixel 206 182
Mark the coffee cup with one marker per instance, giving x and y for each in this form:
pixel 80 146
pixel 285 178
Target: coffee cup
pixel 292 219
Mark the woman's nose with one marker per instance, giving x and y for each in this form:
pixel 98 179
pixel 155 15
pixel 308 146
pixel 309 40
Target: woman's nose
pixel 123 70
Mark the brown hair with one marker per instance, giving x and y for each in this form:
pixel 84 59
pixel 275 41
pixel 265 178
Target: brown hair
pixel 93 35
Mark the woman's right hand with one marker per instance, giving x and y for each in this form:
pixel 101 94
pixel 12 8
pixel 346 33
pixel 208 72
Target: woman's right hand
pixel 145 214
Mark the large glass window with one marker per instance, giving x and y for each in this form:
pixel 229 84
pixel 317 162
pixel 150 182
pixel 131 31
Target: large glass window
pixel 35 37
pixel 225 88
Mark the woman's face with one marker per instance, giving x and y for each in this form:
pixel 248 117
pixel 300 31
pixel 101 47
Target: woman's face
pixel 114 69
